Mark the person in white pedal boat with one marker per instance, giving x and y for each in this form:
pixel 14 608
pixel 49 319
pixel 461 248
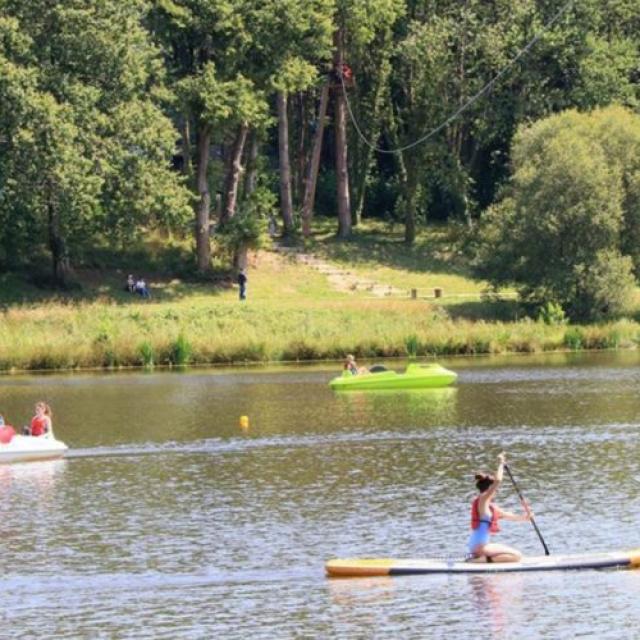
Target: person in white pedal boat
pixel 41 422
pixel 484 520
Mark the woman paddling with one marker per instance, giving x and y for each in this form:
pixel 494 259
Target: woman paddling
pixel 484 520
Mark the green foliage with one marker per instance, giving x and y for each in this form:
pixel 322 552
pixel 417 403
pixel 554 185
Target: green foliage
pixel 552 313
pixel 146 353
pixel 295 74
pixel 364 18
pixel 556 233
pixel 290 62
pixel 84 149
pixel 574 338
pixel 412 344
pixel 181 351
pixel 604 287
pixel 247 229
pixel 217 102
pixel 87 90
pixel 446 52
pixel 243 230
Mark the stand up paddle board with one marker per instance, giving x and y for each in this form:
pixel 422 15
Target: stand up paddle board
pixel 356 567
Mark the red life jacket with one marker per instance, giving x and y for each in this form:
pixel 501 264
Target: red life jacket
pixel 475 517
pixel 38 425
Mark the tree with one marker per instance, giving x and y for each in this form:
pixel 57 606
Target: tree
pixel 80 160
pixel 618 132
pixel 205 43
pixel 556 233
pixel 358 22
pixel 290 64
pixel 446 52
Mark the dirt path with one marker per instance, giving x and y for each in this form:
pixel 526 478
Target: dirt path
pixel 339 278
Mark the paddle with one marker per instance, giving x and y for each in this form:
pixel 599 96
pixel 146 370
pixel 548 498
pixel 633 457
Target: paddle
pixel 533 522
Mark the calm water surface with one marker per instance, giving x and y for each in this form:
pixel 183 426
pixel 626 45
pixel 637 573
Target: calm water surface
pixel 168 521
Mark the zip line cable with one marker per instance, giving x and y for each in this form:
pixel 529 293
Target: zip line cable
pixel 466 105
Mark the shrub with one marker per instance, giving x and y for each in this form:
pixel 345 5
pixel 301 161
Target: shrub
pixel 146 354
pixel 181 351
pixel 560 229
pixel 552 313
pixel 574 338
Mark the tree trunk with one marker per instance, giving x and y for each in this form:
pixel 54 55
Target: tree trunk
pixel 286 201
pixel 241 257
pixel 314 164
pixel 185 135
pixel 235 173
pixel 410 217
pixel 60 258
pixel 300 162
pixel 360 187
pixel 342 167
pixel 251 176
pixel 410 194
pixel 203 245
pixel 408 186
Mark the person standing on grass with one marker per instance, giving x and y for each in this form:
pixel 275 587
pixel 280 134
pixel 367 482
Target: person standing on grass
pixel 242 283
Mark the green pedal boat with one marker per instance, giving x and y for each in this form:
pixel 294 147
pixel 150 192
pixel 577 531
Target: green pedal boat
pixel 417 376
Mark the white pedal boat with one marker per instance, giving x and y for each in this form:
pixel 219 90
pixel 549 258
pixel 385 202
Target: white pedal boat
pixel 26 448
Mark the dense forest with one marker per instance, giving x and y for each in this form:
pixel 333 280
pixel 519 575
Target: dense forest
pixel 203 118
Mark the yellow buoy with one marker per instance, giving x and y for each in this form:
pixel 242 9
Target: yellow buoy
pixel 244 422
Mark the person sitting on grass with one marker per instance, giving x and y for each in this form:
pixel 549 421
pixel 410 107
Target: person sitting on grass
pixel 142 289
pixel 351 366
pixel 131 284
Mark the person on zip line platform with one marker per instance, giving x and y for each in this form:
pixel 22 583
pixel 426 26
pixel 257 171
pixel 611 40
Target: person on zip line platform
pixel 484 520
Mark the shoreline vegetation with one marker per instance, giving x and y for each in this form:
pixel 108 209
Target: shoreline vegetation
pixel 294 312
pixel 97 337
pixel 172 140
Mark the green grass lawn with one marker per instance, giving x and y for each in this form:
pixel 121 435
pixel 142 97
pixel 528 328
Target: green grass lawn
pixel 293 312
pixel 376 252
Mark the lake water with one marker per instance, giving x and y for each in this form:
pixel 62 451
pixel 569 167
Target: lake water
pixel 167 520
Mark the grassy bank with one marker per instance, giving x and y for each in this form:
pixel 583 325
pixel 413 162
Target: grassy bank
pixel 292 313
pixel 106 335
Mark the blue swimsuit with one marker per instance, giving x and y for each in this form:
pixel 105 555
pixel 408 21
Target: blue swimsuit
pixel 480 535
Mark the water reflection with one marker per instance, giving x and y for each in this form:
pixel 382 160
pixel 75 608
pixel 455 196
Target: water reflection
pixel 434 405
pixel 37 476
pixel 358 591
pixel 168 521
pixel 493 596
